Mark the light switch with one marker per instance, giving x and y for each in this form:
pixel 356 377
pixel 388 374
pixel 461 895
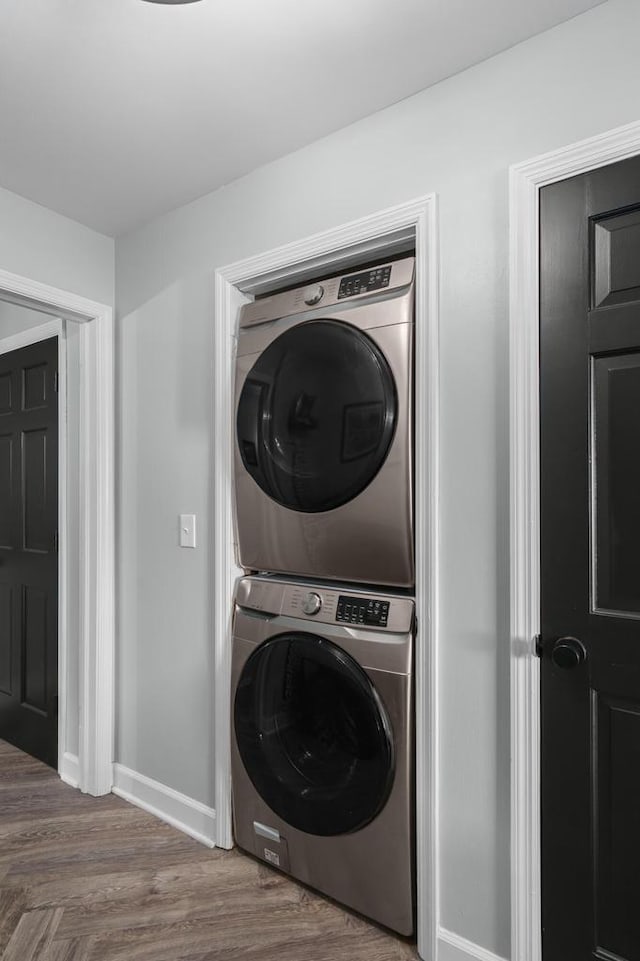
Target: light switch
pixel 187 530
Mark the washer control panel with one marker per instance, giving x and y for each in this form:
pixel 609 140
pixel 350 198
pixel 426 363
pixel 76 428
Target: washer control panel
pixel 362 610
pixel 321 604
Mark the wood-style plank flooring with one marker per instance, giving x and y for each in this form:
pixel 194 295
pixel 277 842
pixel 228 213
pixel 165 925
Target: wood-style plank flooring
pixel 96 879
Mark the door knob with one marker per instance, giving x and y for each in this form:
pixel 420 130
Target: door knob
pixel 568 652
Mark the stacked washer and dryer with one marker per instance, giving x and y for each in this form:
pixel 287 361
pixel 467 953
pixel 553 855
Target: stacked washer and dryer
pixel 324 621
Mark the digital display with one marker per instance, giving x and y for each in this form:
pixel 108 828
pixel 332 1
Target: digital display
pixel 375 279
pixel 358 610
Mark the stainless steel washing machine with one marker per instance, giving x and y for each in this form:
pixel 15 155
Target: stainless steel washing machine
pixel 324 429
pixel 322 742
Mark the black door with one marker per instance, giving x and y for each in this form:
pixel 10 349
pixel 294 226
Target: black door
pixel 316 415
pixel 28 549
pixel 590 447
pixel 313 734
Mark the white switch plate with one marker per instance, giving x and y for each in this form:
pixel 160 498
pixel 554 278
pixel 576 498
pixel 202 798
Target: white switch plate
pixel 187 530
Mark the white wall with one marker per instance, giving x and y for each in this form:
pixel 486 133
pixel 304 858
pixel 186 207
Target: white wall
pixel 42 245
pixel 457 139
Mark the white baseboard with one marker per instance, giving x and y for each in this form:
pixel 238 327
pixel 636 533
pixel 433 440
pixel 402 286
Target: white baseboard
pixel 452 947
pixel 70 769
pixel 178 810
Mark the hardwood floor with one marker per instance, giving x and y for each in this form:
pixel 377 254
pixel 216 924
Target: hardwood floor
pixel 96 879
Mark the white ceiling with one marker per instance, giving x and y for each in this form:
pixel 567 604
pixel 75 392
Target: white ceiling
pixel 115 111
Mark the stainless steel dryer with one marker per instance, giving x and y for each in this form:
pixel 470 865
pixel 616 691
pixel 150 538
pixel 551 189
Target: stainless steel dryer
pixel 323 454
pixel 322 742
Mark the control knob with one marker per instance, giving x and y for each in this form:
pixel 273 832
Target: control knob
pixel 311 603
pixel 314 294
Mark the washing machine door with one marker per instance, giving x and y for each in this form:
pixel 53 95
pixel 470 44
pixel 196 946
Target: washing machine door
pixel 316 415
pixel 313 734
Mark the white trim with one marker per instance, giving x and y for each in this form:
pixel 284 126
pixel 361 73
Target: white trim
pixel 336 247
pixel 64 556
pixel 227 301
pixel 180 811
pixel 427 547
pixel 452 947
pixel 69 769
pixel 51 300
pixel 96 519
pixel 525 181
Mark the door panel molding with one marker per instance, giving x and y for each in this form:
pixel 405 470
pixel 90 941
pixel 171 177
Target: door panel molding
pixel 376 235
pixel 92 769
pixel 525 182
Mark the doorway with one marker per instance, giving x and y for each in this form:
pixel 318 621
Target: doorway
pixel 527 180
pixel 84 331
pixel 410 225
pixel 29 549
pixel 590 589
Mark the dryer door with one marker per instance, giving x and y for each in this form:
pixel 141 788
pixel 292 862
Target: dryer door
pixel 316 415
pixel 313 734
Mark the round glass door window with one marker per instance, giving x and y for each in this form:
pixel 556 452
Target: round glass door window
pixel 313 735
pixel 316 415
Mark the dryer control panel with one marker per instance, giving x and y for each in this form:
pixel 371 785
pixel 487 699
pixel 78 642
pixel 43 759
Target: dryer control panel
pixel 364 283
pixel 333 291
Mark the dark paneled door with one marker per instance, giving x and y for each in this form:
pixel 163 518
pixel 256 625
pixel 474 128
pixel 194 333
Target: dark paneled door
pixel 590 475
pixel 28 549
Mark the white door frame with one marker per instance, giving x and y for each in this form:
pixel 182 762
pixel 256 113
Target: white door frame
pixel 233 286
pixel 92 769
pixel 526 180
